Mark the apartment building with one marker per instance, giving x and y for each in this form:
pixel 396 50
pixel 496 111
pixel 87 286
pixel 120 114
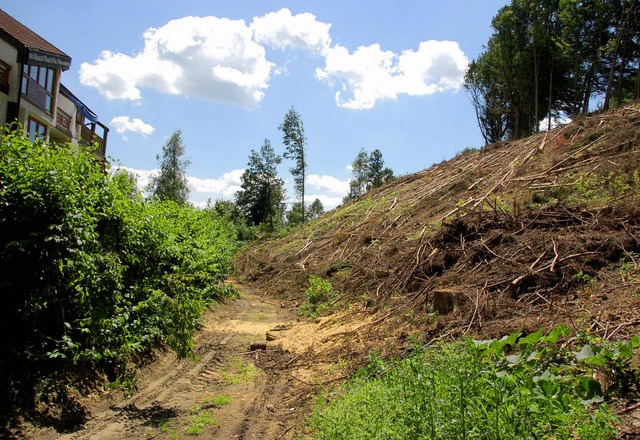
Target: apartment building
pixel 32 94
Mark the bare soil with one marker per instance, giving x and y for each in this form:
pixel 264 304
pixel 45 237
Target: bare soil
pixel 268 390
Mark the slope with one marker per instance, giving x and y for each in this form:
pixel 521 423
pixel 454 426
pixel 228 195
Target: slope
pixel 533 233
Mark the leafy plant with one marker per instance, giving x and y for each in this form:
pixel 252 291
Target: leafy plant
pixel 93 275
pixel 317 297
pixel 519 386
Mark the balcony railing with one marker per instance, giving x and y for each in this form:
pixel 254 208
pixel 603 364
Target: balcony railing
pixel 63 121
pixel 89 138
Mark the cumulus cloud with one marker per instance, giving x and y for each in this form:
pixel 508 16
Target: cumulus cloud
pixel 328 202
pixel 124 124
pixel 206 57
pixel 223 187
pixel 282 30
pixel 329 183
pixel 370 74
pixel 225 60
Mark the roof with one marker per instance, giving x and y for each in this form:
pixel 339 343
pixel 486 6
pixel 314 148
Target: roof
pixel 40 51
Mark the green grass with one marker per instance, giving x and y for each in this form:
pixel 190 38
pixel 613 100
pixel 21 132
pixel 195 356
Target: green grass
pixel 237 370
pixel 198 422
pixel 513 388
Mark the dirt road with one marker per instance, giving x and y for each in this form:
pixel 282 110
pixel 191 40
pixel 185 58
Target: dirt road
pixel 231 392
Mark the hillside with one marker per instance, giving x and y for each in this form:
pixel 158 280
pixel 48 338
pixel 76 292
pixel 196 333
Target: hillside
pixel 521 235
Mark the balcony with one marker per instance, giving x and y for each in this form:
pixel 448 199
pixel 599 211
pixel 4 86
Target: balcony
pixel 63 121
pixel 90 138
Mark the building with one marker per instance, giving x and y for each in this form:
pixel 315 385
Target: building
pixel 32 94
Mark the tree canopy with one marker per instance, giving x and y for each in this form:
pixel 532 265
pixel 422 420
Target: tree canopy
pixel 368 172
pixel 553 57
pixel 261 198
pixel 295 143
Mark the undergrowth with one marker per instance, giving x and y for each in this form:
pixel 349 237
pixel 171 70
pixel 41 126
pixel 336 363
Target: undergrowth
pixel 518 387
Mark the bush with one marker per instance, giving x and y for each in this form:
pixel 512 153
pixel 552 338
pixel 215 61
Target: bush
pixel 317 297
pixel 93 275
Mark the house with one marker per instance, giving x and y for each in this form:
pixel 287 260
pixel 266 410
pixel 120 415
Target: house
pixel 32 94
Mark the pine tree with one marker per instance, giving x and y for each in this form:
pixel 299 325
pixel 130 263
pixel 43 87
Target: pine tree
pixel 295 143
pixel 261 198
pixel 171 183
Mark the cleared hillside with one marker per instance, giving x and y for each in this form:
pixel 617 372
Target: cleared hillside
pixel 531 233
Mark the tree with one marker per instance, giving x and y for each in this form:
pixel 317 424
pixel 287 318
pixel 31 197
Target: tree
pixel 261 198
pixel 316 209
pixel 378 173
pixel 295 143
pixel 171 183
pixel 368 172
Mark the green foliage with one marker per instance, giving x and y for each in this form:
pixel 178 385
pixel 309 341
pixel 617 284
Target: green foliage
pixel 91 275
pixel 551 57
pixel 261 198
pixel 171 183
pixel 516 387
pixel 368 172
pixel 317 297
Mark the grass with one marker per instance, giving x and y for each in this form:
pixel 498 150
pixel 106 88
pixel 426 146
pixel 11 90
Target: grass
pixel 514 388
pixel 237 370
pixel 198 422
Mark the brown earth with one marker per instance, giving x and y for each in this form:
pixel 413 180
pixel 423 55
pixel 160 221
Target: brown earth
pixel 268 390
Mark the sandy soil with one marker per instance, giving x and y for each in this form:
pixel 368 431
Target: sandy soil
pixel 231 391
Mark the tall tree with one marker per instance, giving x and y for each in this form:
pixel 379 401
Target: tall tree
pixel 171 183
pixel 295 142
pixel 261 197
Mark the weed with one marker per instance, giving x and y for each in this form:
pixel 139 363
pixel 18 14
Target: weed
pixel 238 371
pixel 317 297
pixel 219 400
pixel 516 387
pixel 198 422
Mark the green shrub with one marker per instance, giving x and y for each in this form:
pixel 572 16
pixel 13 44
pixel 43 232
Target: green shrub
pixel 93 274
pixel 317 297
pixel 512 388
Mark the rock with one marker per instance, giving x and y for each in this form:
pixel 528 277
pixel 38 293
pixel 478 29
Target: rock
pixel 271 337
pixel 258 346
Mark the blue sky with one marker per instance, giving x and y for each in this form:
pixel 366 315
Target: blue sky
pixel 363 74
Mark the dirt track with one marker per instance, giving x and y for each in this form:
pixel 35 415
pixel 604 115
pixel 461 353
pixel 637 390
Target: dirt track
pixel 173 395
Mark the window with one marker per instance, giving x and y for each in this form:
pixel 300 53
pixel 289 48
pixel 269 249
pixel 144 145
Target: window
pixel 36 130
pixel 37 85
pixel 4 77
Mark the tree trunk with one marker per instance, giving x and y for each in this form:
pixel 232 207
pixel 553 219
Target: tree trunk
pixel 616 48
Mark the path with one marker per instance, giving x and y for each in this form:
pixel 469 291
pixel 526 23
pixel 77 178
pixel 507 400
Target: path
pixel 231 392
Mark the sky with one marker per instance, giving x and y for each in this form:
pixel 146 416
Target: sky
pixel 371 74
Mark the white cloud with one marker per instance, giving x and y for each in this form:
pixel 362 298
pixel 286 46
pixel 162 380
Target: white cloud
pixel 556 121
pixel 124 124
pixel 328 202
pixel 370 74
pixel 224 60
pixel 329 183
pixel 282 30
pixel 222 187
pixel 206 57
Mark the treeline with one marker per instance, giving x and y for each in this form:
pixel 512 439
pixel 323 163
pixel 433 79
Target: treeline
pixel 93 275
pixel 554 57
pixel 261 201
